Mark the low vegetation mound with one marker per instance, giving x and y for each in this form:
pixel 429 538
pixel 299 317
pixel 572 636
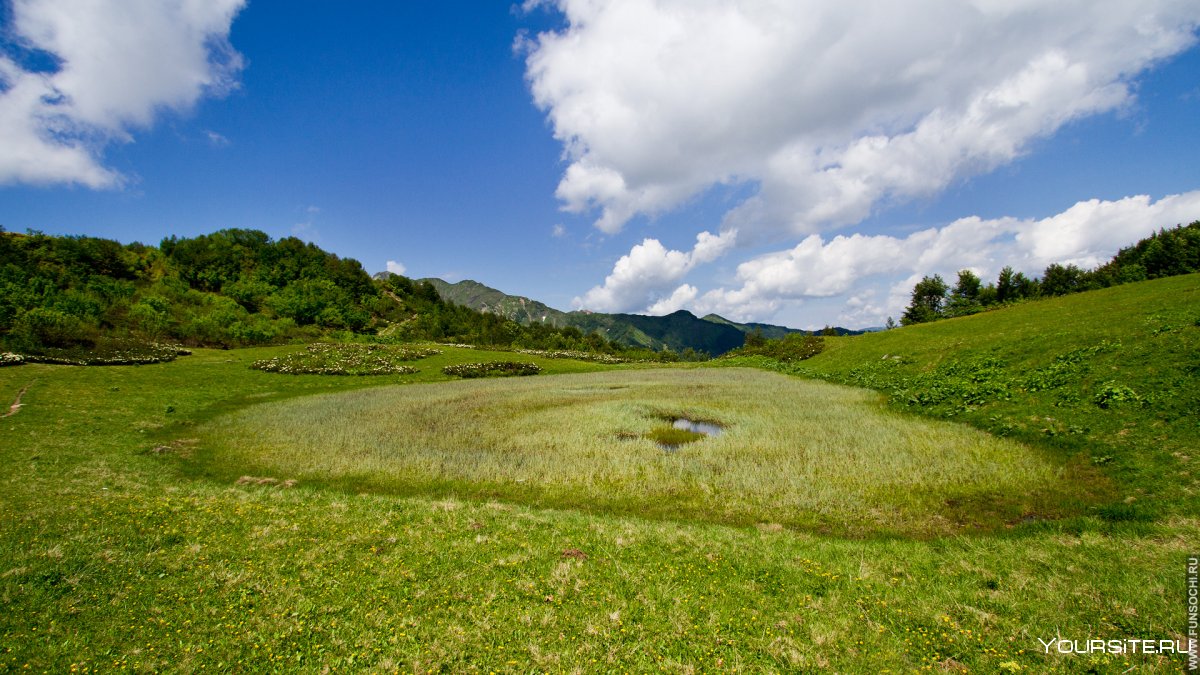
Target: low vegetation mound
pixel 346 359
pixel 803 454
pixel 492 369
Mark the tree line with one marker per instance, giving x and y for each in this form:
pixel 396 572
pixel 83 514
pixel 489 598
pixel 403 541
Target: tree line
pixel 1165 253
pixel 232 288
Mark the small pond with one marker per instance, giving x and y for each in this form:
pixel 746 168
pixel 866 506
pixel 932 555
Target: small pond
pixel 706 428
pixel 681 432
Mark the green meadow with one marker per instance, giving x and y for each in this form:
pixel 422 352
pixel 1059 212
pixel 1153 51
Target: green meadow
pixel 939 498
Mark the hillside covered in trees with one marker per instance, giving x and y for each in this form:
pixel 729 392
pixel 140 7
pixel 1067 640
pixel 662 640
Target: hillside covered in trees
pixel 1166 253
pixel 230 288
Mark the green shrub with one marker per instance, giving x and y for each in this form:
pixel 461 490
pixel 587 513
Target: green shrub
pixel 792 347
pixel 148 318
pixel 42 327
pixel 1111 394
pixel 311 301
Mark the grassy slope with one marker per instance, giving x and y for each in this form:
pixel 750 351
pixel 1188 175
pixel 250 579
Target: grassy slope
pixel 110 558
pixel 1111 376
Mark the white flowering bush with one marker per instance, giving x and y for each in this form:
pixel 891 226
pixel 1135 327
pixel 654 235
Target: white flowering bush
pixel 346 359
pixel 492 368
pixel 106 352
pixel 10 359
pixel 575 354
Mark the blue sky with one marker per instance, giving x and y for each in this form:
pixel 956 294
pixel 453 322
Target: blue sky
pixel 797 163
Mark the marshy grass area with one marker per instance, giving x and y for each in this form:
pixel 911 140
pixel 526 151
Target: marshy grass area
pixel 792 452
pixel 125 545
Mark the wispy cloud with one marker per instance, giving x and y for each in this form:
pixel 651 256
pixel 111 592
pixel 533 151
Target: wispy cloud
pixel 215 139
pixel 306 231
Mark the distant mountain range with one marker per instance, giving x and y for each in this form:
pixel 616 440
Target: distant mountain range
pixel 768 330
pixel 677 331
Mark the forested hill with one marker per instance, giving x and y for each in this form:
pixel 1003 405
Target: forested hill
pixel 765 329
pixel 240 287
pixel 475 295
pixel 680 331
pixel 230 288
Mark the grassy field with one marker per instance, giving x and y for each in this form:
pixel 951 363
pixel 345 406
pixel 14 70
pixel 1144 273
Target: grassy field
pixel 793 452
pixel 123 547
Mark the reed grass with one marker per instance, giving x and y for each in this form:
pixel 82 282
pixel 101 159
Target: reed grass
pixel 799 453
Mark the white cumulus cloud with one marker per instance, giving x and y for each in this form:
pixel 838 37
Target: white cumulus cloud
pixel 395 267
pixel 831 108
pixel 642 277
pixel 119 63
pixel 858 270
pixel 674 302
